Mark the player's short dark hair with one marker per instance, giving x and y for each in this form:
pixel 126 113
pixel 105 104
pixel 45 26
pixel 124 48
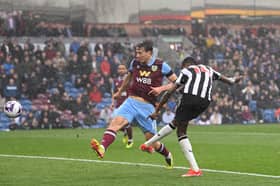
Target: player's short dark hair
pixel 189 60
pixel 147 45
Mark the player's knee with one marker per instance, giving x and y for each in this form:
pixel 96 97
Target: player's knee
pixel 173 124
pixel 117 123
pixel 181 130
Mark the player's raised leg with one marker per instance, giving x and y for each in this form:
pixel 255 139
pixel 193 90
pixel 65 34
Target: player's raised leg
pixel 164 131
pixel 109 136
pixel 123 115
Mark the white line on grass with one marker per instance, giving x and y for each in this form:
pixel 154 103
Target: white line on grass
pixel 133 164
pixel 238 134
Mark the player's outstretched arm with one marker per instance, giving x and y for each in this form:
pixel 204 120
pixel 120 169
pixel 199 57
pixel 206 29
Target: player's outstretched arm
pixel 163 100
pixel 230 80
pixel 157 90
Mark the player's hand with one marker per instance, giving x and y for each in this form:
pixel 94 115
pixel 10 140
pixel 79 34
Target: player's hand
pixel 155 91
pixel 154 115
pixel 117 95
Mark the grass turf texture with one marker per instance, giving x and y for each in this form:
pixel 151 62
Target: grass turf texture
pixel 238 148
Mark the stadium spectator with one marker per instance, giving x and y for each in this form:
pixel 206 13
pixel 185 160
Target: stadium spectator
pixel 216 117
pixel 90 118
pixel 11 90
pixel 49 50
pixel 277 115
pixel 74 46
pixel 105 66
pixel 95 95
pixel 167 116
pixel 247 116
pixel 203 120
pixel 248 92
pixel 8 65
pixel 30 121
pixel 106 114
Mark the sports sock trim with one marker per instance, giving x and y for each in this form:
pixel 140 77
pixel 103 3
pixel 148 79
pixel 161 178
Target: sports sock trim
pixel 182 137
pixel 111 132
pixel 172 126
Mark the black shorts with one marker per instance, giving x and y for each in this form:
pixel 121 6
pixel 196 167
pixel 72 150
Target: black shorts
pixel 190 107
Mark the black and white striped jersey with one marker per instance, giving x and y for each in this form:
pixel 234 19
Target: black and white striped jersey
pixel 198 80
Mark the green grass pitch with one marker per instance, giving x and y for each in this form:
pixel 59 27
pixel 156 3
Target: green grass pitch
pixel 64 157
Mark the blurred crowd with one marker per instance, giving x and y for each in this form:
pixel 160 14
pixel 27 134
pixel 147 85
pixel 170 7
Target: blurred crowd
pixel 253 52
pixel 169 31
pixel 68 86
pixel 26 23
pixel 57 89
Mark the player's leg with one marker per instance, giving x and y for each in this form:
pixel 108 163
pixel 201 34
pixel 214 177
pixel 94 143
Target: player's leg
pixel 125 137
pixel 124 115
pixel 188 111
pixel 149 128
pixel 186 147
pixel 161 149
pixel 109 136
pixel 129 133
pixel 164 131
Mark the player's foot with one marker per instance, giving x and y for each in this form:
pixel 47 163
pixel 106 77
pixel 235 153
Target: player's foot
pixel 125 139
pixel 192 173
pixel 99 149
pixel 146 148
pixel 169 161
pixel 129 145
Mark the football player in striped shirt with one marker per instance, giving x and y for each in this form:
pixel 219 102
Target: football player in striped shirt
pixel 195 83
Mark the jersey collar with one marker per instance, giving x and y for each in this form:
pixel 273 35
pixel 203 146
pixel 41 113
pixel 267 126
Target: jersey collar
pixel 151 61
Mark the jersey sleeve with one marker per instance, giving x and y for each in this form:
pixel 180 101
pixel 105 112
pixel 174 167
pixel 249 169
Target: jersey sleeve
pixel 166 69
pixel 216 75
pixel 183 78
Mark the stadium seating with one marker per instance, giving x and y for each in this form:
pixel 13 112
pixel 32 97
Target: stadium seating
pixel 107 95
pixel 268 115
pixel 26 104
pixel 100 106
pixel 107 101
pixel 68 84
pixel 4 121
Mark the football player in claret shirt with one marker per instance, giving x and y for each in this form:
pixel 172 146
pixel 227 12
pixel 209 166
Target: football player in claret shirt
pixel 116 103
pixel 144 83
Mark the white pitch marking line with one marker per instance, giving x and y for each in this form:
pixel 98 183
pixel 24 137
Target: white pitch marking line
pixel 134 164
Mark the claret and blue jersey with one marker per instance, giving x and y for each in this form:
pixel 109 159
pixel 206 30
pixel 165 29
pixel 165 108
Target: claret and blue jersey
pixel 144 76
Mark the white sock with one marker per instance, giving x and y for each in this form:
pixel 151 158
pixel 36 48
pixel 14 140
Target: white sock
pixel 187 150
pixel 164 131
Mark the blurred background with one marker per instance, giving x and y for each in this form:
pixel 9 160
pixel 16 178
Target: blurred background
pixel 58 57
